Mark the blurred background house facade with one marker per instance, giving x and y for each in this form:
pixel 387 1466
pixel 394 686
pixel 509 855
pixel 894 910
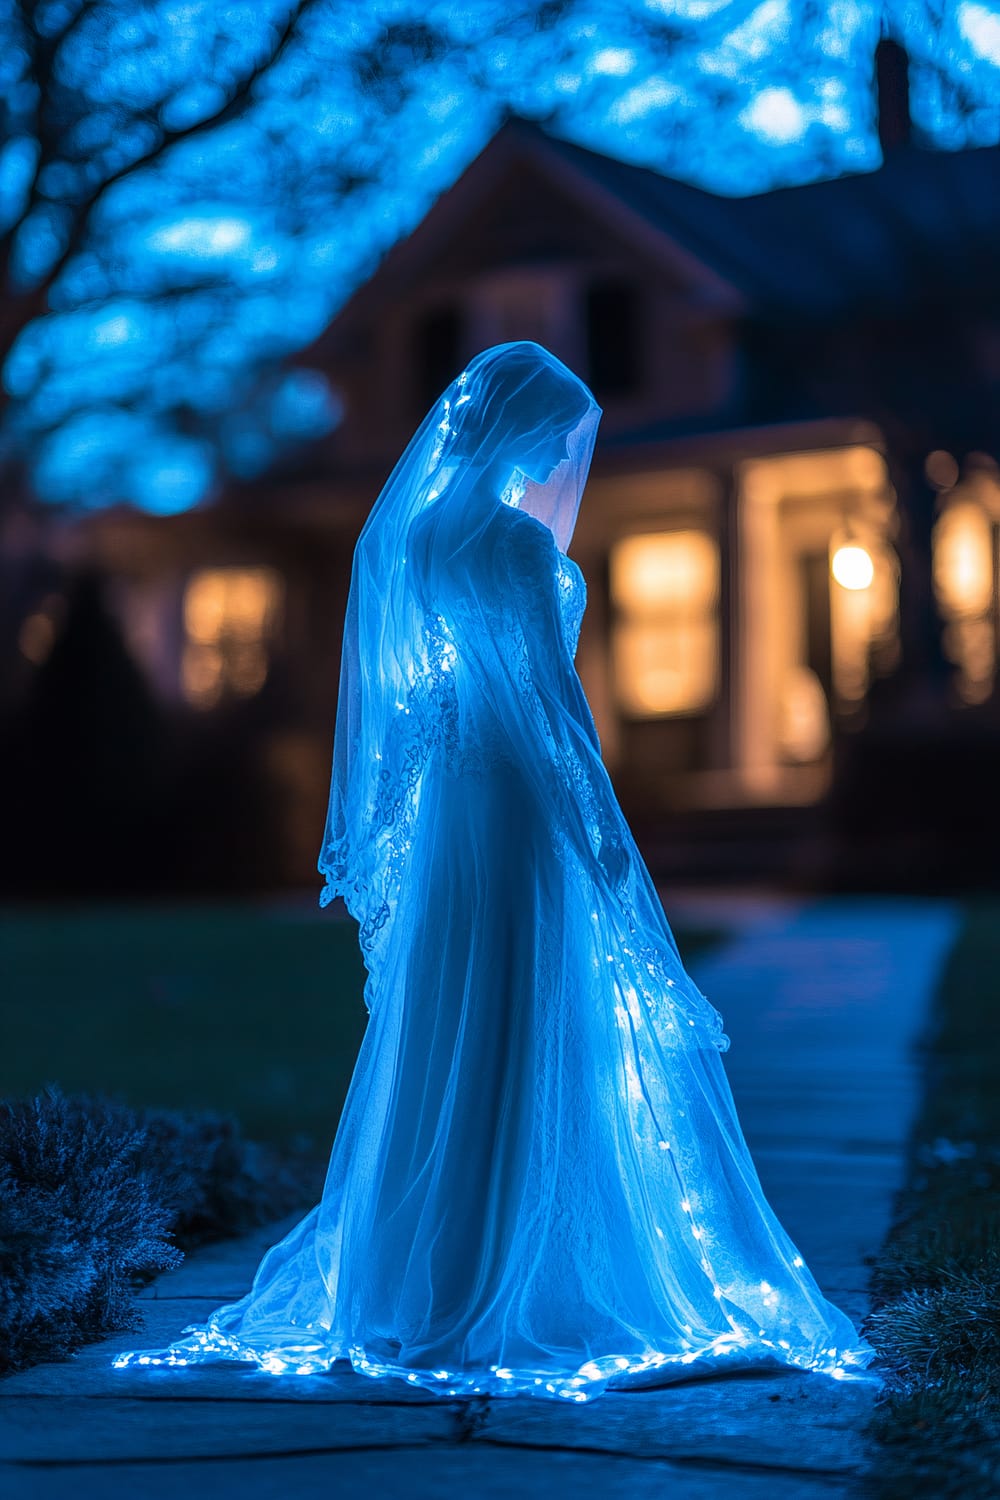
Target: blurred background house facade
pixel 791 536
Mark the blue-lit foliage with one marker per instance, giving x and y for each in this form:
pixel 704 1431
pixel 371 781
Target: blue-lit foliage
pixel 193 188
pixel 95 1195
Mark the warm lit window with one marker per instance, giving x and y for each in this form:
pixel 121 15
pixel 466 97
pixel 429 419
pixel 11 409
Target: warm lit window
pixel 40 629
pixel 230 619
pixel 804 719
pixel 966 584
pixel 665 587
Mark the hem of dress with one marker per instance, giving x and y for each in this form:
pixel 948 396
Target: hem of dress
pixel 614 1372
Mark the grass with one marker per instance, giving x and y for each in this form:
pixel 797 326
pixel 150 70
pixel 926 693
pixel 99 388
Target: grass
pixel 937 1283
pixel 204 1026
pixel 254 1011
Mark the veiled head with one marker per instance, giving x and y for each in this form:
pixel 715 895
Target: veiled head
pixel 520 418
pixel 515 425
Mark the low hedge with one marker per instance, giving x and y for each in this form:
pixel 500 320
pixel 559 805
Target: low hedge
pixel 97 1197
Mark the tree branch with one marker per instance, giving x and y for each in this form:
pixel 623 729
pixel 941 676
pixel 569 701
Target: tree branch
pixel 83 210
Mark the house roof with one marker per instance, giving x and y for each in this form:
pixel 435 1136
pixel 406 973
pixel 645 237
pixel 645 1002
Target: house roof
pixel 922 230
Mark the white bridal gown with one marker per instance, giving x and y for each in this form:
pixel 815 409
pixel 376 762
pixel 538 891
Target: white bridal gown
pixel 539 1183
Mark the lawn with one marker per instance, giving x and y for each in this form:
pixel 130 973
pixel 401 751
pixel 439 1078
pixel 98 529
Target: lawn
pixel 255 1010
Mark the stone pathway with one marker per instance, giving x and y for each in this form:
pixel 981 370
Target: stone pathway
pixel 823 1003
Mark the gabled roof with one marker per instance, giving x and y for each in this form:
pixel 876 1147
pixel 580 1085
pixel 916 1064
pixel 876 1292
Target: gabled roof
pixel 519 146
pixel 922 230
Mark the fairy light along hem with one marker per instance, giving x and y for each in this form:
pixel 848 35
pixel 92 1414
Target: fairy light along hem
pixel 590 1379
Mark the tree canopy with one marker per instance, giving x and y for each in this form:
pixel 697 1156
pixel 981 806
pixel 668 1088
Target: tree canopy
pixel 189 189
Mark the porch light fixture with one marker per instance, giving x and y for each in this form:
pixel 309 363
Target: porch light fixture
pixel 852 567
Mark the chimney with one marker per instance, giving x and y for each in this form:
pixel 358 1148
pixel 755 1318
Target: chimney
pixel 892 84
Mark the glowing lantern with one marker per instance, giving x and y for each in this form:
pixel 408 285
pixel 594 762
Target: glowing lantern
pixel 852 567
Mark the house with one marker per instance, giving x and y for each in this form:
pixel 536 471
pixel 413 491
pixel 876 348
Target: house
pixel 794 507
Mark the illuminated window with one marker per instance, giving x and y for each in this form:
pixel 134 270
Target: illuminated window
pixel 231 617
pixel 665 586
pixel 804 725
pixel 39 630
pixel 966 541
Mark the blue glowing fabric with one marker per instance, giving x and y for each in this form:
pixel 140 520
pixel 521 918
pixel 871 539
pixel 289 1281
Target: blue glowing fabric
pixel 539 1183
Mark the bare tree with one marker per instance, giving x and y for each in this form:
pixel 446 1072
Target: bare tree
pixel 76 153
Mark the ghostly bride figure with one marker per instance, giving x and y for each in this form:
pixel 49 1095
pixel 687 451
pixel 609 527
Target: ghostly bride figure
pixel 539 1183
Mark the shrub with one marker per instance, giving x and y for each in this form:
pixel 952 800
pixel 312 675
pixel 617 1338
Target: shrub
pixel 936 1324
pixel 96 1197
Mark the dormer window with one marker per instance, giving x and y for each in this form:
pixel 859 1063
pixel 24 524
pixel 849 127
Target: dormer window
pixel 533 301
pixel 614 354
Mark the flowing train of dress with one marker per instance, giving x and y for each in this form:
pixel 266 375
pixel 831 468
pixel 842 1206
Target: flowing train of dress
pixel 539 1183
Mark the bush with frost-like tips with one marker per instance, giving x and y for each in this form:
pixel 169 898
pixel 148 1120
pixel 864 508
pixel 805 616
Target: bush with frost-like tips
pixel 80 1216
pixel 96 1197
pixel 951 1329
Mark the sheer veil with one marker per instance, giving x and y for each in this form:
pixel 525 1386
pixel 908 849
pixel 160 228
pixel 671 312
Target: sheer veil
pixel 538 1182
pixel 516 426
pixel 510 400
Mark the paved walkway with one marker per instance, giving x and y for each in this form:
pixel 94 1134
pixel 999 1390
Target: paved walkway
pixel 823 1003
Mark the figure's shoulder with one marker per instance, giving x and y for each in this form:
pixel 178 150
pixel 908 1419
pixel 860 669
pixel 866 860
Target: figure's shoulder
pixel 527 541
pixel 498 542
